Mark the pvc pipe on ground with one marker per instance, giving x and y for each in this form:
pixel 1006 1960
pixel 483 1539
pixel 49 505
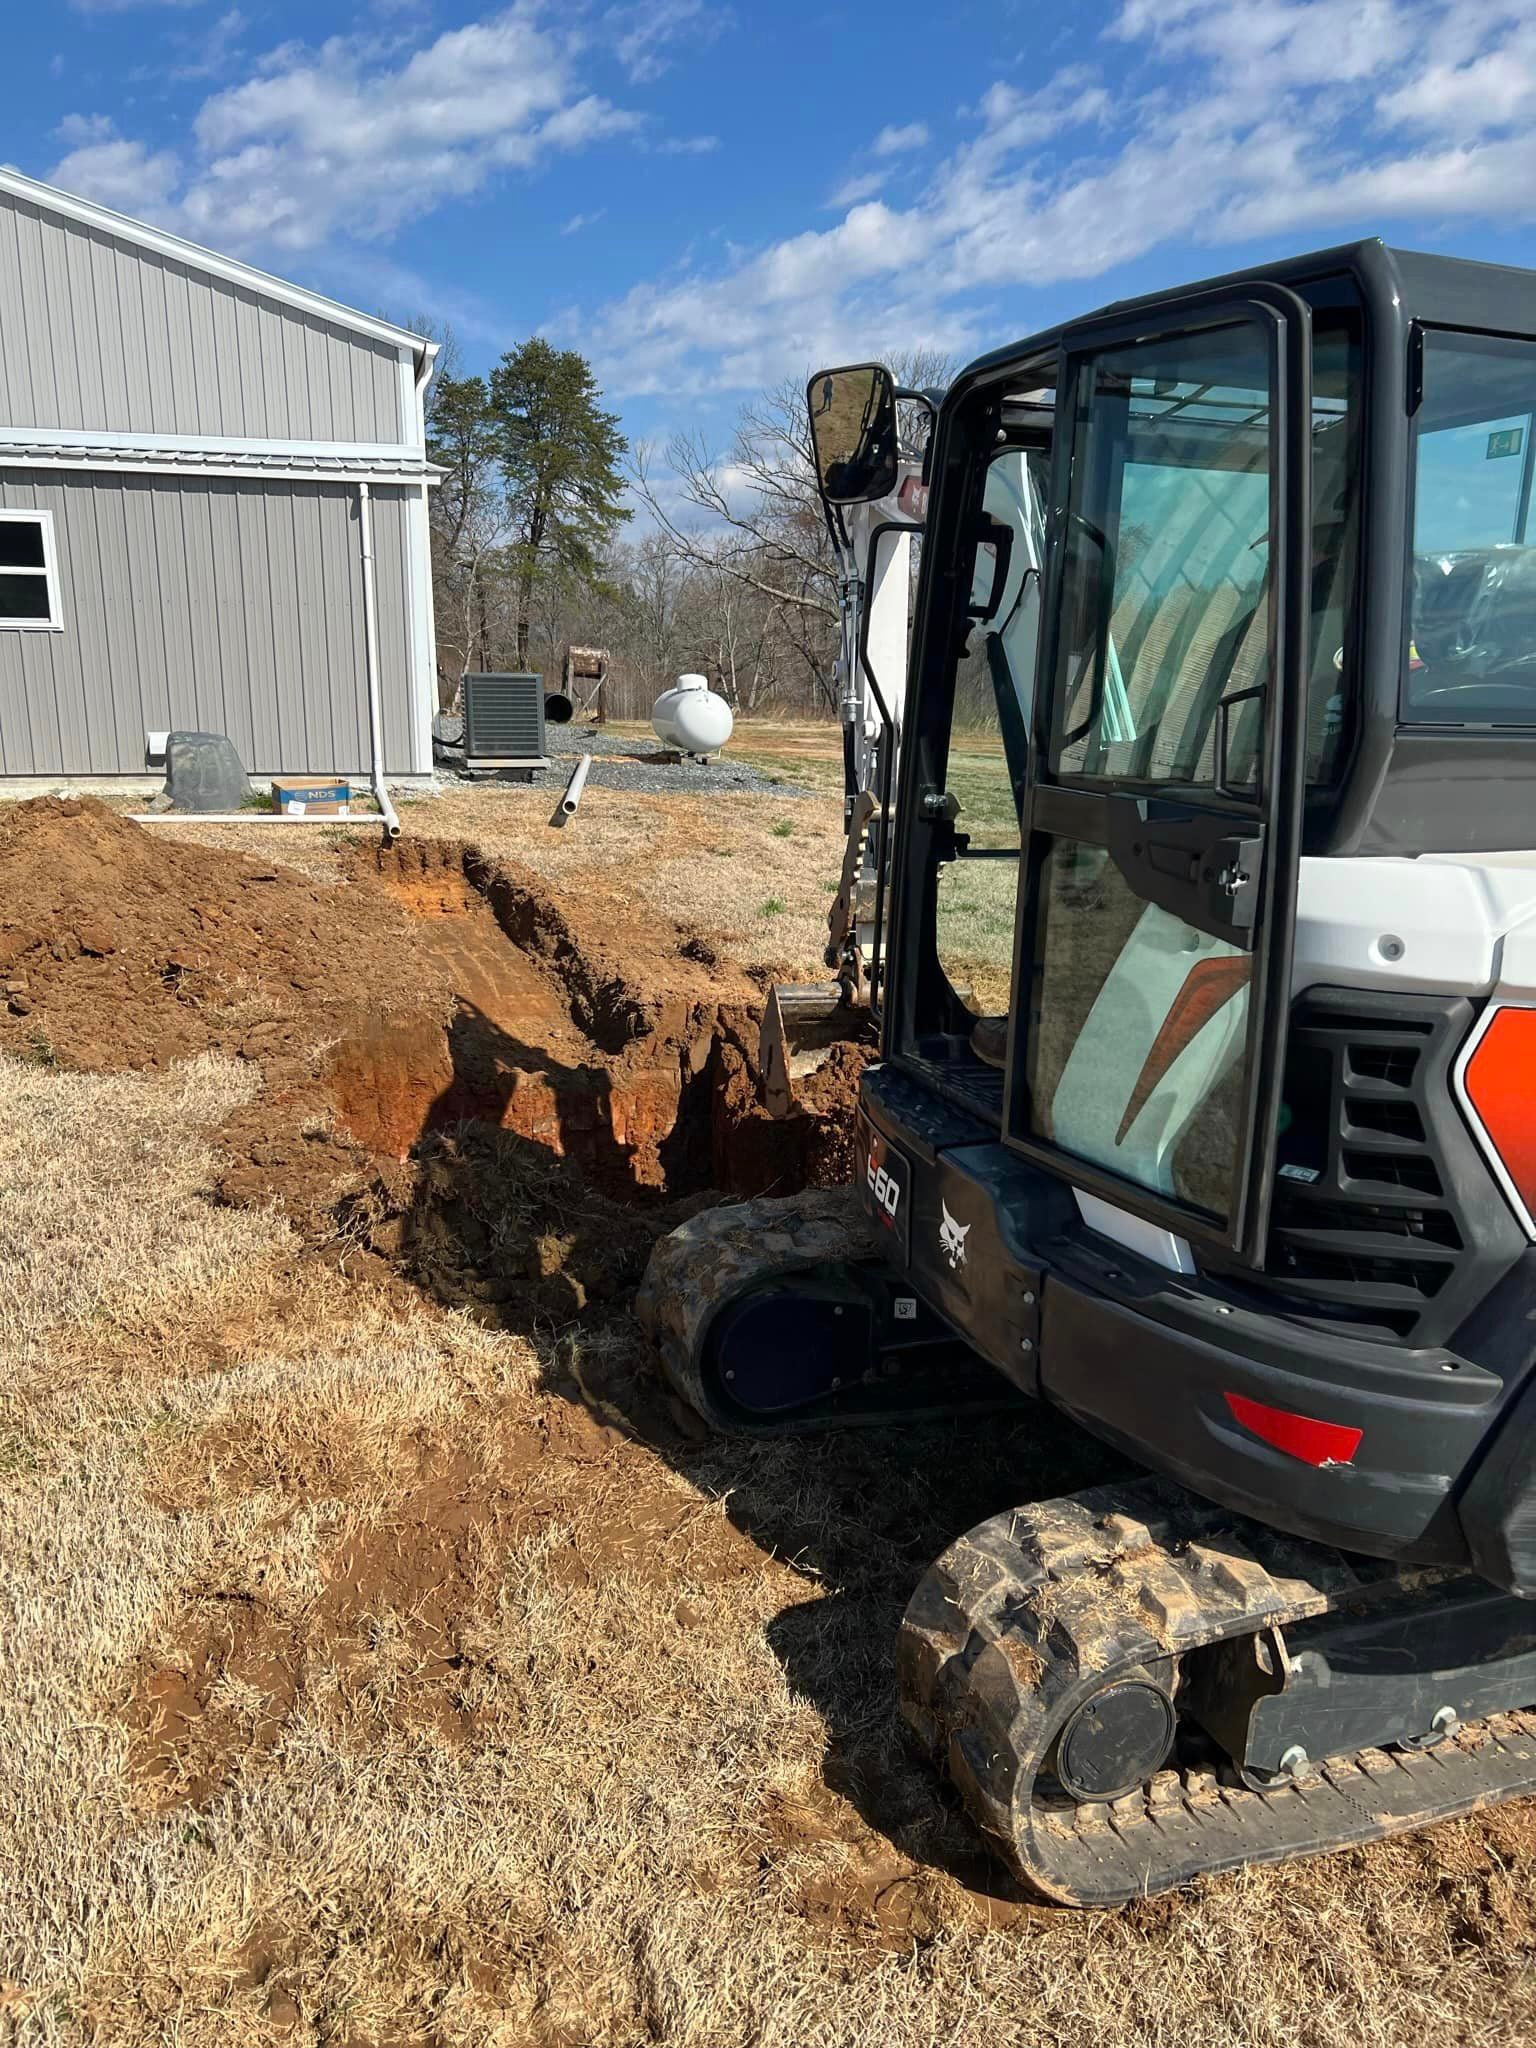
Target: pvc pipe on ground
pixel 253 818
pixel 575 786
pixel 371 657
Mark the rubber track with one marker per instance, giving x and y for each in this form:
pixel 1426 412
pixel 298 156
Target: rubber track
pixel 1033 1611
pixel 721 1254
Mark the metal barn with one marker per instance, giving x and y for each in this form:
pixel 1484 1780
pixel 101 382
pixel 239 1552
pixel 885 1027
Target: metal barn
pixel 192 457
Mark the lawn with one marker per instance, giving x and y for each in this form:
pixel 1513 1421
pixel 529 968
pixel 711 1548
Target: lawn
pixel 382 1671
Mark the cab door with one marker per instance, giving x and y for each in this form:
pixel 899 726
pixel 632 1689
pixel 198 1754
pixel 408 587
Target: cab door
pixel 1161 823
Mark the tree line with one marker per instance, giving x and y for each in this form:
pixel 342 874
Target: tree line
pixel 550 530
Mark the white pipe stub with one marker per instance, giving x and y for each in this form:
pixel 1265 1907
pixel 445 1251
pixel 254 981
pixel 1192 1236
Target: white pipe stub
pixel 575 786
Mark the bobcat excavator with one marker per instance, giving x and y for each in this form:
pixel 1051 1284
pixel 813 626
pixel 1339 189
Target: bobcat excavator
pixel 1241 1173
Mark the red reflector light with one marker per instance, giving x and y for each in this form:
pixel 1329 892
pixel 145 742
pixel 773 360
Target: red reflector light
pixel 1501 1086
pixel 1299 1436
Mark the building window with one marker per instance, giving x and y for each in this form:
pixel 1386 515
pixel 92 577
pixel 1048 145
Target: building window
pixel 29 582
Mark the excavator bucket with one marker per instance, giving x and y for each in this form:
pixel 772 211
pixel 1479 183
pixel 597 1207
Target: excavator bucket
pixel 802 1021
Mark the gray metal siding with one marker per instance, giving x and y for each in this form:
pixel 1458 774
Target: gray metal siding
pixel 210 603
pixel 101 334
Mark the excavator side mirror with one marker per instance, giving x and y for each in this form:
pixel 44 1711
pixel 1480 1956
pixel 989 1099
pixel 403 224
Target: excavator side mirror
pixel 852 415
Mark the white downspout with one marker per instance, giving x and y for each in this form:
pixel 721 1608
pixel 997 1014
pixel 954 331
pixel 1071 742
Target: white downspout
pixel 424 370
pixel 371 659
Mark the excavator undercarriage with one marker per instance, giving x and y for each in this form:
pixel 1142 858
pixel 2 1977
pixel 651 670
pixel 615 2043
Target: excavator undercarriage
pixel 1131 1688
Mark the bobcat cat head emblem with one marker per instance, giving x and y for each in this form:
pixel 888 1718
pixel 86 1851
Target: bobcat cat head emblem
pixel 952 1236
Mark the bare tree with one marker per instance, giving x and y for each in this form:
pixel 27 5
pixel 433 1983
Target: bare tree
pixel 757 518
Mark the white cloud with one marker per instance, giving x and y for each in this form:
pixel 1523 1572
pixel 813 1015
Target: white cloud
pixel 120 173
pixel 578 221
pixel 215 50
pixel 1274 121
pixel 856 189
pixel 359 135
pixel 1279 120
pixel 893 141
pixel 1280 43
pixel 1464 84
pixel 643 36
pixel 80 130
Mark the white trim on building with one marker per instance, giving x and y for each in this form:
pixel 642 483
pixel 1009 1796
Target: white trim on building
pixel 290 468
pixel 423 625
pixel 408 451
pixel 47 571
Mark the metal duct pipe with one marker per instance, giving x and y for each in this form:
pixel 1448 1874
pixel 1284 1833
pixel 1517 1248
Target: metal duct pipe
pixel 371 659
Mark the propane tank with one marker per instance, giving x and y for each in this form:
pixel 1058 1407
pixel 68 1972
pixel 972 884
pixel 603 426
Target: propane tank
pixel 691 717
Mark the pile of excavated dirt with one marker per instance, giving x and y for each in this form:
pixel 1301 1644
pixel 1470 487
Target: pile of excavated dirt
pixel 120 948
pixel 439 1033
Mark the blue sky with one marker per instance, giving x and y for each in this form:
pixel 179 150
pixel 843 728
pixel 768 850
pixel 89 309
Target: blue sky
pixel 705 198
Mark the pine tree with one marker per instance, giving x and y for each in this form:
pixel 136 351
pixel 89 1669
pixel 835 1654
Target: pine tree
pixel 559 453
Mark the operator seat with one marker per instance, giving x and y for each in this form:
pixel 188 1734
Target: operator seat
pixel 1474 636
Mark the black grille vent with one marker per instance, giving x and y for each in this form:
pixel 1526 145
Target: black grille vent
pixel 503 719
pixel 1367 1229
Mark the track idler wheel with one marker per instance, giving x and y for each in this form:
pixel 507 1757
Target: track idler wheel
pixel 1115 1741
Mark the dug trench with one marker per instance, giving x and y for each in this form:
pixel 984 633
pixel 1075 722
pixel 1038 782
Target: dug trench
pixel 481 1091
pixel 517 1147
pixel 418 991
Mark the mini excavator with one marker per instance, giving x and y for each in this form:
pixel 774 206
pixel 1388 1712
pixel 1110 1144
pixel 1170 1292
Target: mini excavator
pixel 1205 971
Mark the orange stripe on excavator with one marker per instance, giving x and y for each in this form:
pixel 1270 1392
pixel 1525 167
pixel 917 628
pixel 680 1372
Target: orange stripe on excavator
pixel 1501 1086
pixel 1210 984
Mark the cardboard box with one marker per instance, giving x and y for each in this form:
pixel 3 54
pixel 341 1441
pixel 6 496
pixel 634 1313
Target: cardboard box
pixel 311 796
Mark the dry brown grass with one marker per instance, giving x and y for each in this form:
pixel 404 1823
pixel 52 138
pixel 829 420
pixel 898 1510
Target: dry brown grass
pixel 365 1685
pixel 130 1244
pixel 714 866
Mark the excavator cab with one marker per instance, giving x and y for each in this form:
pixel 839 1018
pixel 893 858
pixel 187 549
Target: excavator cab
pixel 1207 1104
pixel 1128 728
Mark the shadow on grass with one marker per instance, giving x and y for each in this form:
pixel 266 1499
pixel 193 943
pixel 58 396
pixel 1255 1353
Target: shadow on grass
pixel 535 1245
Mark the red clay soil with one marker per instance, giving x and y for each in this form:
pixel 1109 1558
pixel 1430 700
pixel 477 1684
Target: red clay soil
pixel 122 948
pixel 433 1562
pixel 425 989
pixel 600 1057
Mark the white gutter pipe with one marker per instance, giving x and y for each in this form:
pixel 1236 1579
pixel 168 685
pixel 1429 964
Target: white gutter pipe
pixel 573 790
pixel 246 818
pixel 371 657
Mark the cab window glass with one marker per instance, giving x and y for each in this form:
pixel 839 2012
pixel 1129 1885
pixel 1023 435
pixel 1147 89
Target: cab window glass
pixel 1472 656
pixel 1169 562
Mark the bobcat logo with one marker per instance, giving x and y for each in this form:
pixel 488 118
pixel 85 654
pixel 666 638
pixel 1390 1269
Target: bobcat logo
pixel 952 1236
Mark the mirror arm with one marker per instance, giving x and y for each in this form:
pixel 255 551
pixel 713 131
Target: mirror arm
pixel 931 399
